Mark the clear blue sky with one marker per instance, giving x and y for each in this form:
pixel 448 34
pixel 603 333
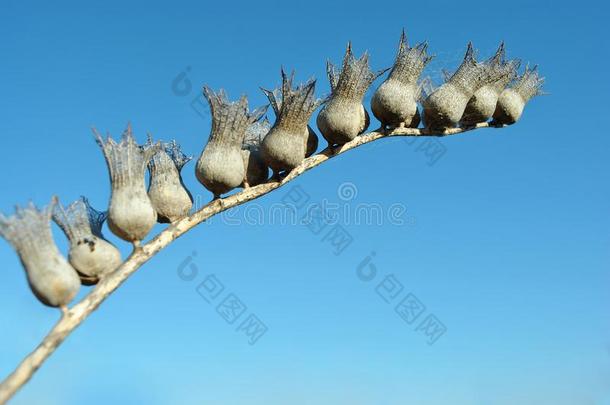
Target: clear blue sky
pixel 504 240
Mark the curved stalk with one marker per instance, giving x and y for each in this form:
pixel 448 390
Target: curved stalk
pixel 73 317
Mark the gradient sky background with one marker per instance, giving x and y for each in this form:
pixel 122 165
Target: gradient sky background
pixel 505 238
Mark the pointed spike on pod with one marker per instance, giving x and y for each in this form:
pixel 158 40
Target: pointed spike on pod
pixel 470 54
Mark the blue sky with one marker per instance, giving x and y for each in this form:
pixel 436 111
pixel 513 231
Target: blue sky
pixel 504 239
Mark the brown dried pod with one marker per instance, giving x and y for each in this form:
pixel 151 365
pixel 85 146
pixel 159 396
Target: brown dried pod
pixel 344 116
pixel 220 167
pixel 167 192
pixel 512 100
pixel 256 170
pixel 52 279
pixel 445 106
pixel 91 255
pixel 481 106
pixel 131 215
pixel 394 103
pixel 290 138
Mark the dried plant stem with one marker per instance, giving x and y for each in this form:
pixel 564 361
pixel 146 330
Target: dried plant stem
pixel 73 317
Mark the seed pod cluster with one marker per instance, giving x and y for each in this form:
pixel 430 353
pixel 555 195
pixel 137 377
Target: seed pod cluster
pixel 241 149
pixel 445 106
pixel 168 194
pixel 52 279
pixel 512 101
pixel 394 103
pixel 290 138
pixel 344 116
pixel 220 167
pixel 482 105
pixel 131 214
pixel 91 255
pixel 256 171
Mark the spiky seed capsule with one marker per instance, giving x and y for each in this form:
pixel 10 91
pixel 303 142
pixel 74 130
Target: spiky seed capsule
pixel 131 214
pixel 482 105
pixel 52 280
pixel 286 144
pixel 394 103
pixel 256 171
pixel 275 99
pixel 220 167
pixel 344 116
pixel 168 194
pixel 512 101
pixel 445 106
pixel 91 255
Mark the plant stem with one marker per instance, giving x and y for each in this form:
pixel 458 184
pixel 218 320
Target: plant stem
pixel 73 317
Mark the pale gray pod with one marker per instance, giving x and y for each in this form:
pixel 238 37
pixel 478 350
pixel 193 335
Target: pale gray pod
pixel 220 167
pixel 166 190
pixel 344 116
pixel 52 279
pixel 512 101
pixel 445 106
pixel 131 215
pixel 290 139
pixel 256 171
pixel 394 103
pixel 91 255
pixel 275 99
pixel 481 106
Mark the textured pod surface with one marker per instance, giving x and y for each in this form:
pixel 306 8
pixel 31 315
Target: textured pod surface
pixel 395 101
pixel 256 170
pixel 481 106
pixel 131 215
pixel 91 255
pixel 220 167
pixel 290 139
pixel 312 142
pixel 52 279
pixel 166 190
pixel 344 116
pixel 512 101
pixel 446 105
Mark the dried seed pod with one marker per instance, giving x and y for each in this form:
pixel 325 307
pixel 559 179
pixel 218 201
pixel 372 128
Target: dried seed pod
pixel 256 170
pixel 482 105
pixel 394 103
pixel 344 116
pixel 167 192
pixel 91 255
pixel 220 167
pixel 289 140
pixel 513 99
pixel 52 280
pixel 445 106
pixel 275 99
pixel 131 214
